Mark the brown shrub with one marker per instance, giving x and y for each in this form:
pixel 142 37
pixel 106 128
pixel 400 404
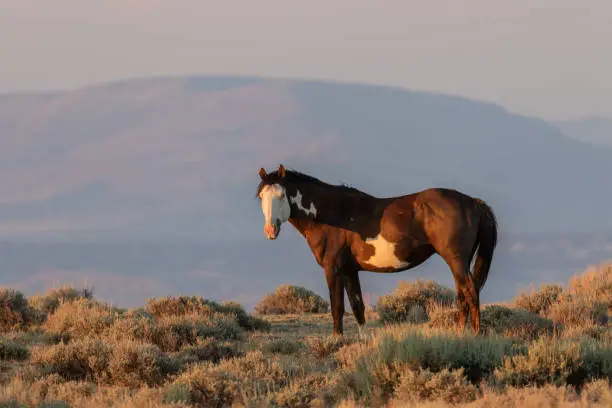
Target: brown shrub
pixel 539 301
pixel 124 363
pixel 14 310
pixel 50 301
pixel 79 319
pixel 421 385
pixel 288 299
pixel 134 364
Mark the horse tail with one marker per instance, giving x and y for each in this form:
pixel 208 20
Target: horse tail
pixel 486 241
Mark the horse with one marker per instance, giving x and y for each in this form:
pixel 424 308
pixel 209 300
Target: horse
pixel 349 231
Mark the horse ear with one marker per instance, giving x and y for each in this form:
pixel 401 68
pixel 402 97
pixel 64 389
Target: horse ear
pixel 262 173
pixel 281 171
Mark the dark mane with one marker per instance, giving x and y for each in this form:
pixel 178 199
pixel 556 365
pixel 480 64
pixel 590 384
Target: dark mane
pixel 293 176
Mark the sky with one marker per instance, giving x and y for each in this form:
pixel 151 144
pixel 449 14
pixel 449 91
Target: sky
pixel 546 58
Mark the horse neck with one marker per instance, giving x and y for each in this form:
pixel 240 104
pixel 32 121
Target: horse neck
pixel 335 206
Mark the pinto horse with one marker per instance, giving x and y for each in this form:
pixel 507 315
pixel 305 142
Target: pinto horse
pixel 350 231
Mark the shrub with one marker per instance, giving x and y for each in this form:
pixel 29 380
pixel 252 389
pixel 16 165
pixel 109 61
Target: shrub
pixel 125 363
pixel 300 393
pixel 282 346
pixel 288 299
pixel 79 319
pixel 515 322
pixel 577 311
pixel 48 303
pixel 557 362
pixel 539 301
pixel 412 349
pixel 594 284
pixel 12 351
pixel 234 381
pixel 172 333
pixel 410 301
pixel 420 385
pixel 14 310
pixel 208 349
pixel 191 305
pixel 443 317
pixel 85 359
pixel 324 346
pixel 134 364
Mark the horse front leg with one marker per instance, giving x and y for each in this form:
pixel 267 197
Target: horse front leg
pixel 335 283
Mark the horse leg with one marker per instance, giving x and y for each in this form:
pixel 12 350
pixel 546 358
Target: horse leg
pixel 463 308
pixel 467 295
pixel 353 290
pixel 335 283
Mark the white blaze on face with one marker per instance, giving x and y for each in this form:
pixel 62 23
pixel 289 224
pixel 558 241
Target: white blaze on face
pixel 384 254
pixel 275 208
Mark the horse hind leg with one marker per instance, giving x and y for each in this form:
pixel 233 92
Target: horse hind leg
pixel 467 295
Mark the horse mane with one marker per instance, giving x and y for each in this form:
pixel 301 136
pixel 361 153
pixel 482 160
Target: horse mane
pixel 293 176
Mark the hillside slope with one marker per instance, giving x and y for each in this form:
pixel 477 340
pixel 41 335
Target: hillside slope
pixel 179 157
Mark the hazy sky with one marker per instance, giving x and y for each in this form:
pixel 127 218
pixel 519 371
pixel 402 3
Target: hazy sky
pixel 550 58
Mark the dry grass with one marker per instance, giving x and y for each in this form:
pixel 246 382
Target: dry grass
pixel 554 348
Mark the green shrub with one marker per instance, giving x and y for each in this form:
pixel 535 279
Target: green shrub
pixel 288 299
pixel 413 349
pixel 173 332
pixel 208 349
pixel 515 322
pixel 10 350
pixel 410 301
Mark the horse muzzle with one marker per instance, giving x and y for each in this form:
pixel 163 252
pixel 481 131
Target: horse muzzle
pixel 272 230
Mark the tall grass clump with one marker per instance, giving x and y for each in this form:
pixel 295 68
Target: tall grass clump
pixel 410 302
pixel 288 299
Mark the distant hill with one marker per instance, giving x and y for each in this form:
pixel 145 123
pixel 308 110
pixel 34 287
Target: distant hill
pixel 592 129
pixel 179 157
pixel 146 187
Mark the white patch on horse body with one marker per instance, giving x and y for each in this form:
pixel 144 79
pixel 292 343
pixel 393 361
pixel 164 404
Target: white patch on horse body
pixel 297 200
pixel 384 254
